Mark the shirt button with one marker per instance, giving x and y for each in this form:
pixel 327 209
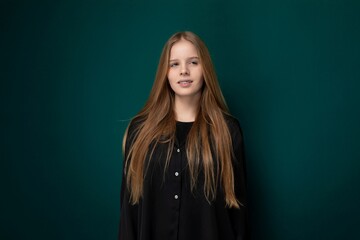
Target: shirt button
pixel 176 196
pixel 178 150
pixel 176 174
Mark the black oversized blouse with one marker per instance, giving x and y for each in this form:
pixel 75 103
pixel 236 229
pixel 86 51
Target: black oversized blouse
pixel 169 210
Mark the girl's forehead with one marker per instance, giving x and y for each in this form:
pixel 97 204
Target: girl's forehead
pixel 183 48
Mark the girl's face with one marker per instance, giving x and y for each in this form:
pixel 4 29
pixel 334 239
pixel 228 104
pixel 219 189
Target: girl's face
pixel 185 73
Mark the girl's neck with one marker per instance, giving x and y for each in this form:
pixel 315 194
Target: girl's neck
pixel 186 108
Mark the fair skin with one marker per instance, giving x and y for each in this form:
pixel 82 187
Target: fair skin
pixel 185 77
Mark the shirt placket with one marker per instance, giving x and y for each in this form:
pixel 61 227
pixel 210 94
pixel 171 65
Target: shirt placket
pixel 175 178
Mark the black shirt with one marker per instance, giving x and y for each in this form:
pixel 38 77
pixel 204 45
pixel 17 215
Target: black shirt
pixel 169 210
pixel 182 130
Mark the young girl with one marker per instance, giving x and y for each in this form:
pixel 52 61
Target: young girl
pixel 184 175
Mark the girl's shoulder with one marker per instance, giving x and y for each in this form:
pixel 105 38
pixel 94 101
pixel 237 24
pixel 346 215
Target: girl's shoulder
pixel 132 130
pixel 233 123
pixel 134 125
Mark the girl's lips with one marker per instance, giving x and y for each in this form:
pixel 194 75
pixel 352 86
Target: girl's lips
pixel 185 83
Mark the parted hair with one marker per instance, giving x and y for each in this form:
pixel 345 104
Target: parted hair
pixel 208 144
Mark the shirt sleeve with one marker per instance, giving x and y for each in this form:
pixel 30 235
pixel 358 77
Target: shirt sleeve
pixel 239 217
pixel 125 154
pixel 126 228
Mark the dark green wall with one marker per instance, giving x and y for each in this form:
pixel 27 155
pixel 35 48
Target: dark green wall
pixel 73 73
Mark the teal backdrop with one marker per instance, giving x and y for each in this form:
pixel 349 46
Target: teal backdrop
pixel 74 72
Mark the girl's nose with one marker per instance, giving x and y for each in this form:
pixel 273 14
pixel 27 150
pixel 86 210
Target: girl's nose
pixel 184 71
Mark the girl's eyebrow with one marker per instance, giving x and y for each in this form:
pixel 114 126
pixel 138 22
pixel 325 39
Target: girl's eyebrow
pixel 186 59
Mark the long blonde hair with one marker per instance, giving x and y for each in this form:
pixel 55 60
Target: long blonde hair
pixel 209 132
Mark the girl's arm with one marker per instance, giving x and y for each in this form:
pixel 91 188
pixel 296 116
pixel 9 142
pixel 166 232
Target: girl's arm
pixel 239 217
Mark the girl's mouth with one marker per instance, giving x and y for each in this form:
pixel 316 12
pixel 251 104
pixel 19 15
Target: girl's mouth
pixel 185 83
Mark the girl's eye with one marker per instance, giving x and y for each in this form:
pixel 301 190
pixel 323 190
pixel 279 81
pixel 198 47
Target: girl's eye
pixel 173 64
pixel 194 62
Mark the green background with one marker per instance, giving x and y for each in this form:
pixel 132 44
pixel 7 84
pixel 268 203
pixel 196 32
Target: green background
pixel 74 72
